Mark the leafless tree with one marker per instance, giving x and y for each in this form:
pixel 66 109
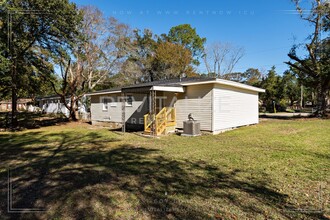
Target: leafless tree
pixel 98 54
pixel 104 50
pixel 221 58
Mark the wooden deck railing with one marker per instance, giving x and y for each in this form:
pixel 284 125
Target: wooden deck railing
pixel 165 118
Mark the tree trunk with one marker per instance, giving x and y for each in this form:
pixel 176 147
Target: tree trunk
pixel 322 101
pixel 70 107
pixel 291 101
pixel 14 122
pixel 151 74
pixel 73 115
pixel 73 109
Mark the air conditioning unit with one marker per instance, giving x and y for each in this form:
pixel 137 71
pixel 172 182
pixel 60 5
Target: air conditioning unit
pixel 191 128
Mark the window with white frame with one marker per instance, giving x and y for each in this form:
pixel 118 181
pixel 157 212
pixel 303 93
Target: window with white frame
pixel 108 101
pixel 129 100
pixel 105 102
pixel 113 103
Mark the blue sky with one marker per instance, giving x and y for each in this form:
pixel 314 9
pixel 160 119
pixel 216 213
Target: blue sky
pixel 265 28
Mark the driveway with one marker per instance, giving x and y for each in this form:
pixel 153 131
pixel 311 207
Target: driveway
pixel 285 115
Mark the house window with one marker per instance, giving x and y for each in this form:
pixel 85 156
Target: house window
pixel 129 100
pixel 105 104
pixel 113 104
pixel 108 101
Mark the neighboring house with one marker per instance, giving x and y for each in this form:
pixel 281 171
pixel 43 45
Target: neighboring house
pixel 22 105
pixel 216 103
pixel 53 104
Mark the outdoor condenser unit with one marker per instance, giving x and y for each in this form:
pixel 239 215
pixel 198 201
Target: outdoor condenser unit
pixel 191 127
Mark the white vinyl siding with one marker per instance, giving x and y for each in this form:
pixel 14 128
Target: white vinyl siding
pixel 54 106
pixel 234 107
pixel 113 104
pixel 197 100
pixel 217 107
pixel 133 112
pixel 98 113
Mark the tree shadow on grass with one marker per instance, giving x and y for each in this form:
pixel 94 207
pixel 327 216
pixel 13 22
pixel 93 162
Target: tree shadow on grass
pixel 78 177
pixel 31 120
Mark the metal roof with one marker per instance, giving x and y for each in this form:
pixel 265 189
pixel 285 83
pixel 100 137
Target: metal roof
pixel 144 87
pixel 178 82
pixel 105 91
pixel 169 82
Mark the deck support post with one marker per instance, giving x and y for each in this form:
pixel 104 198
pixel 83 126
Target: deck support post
pixel 123 109
pixel 153 111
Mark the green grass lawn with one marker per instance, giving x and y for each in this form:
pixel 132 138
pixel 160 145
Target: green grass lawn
pixel 278 169
pixel 30 120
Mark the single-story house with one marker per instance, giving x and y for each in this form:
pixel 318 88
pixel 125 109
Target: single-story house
pixel 161 106
pixel 52 105
pixel 22 105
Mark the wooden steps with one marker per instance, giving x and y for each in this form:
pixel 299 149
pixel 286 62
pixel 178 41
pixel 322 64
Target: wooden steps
pixel 165 119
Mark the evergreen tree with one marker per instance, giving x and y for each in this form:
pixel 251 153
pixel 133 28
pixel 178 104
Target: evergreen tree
pixel 39 31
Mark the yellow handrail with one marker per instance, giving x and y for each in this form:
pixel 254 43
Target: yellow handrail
pixel 171 114
pixel 166 117
pixel 161 112
pixel 148 119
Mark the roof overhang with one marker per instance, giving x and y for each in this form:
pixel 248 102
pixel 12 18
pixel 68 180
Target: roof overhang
pixel 47 98
pixel 147 89
pixel 168 88
pixel 177 88
pixel 104 92
pixel 226 83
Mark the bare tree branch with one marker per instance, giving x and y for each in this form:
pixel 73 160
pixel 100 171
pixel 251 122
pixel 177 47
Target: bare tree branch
pixel 223 57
